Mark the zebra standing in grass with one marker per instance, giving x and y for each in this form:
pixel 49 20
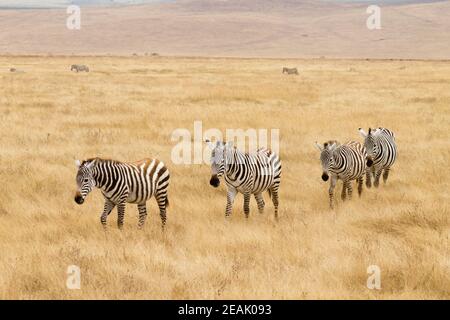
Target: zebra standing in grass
pixel 345 162
pixel 290 70
pixel 124 182
pixel 79 67
pixel 381 153
pixel 245 173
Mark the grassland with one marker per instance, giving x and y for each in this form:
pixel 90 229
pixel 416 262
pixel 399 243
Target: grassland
pixel 127 109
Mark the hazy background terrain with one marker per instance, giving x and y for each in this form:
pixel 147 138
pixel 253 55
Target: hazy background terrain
pixel 242 28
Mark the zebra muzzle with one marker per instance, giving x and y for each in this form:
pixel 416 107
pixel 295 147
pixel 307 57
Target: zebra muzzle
pixel 215 182
pixel 324 177
pixel 79 199
pixel 369 162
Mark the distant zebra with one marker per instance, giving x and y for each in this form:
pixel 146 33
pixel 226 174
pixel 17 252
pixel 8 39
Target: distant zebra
pixel 290 70
pixel 345 162
pixel 79 67
pixel 381 153
pixel 123 183
pixel 245 173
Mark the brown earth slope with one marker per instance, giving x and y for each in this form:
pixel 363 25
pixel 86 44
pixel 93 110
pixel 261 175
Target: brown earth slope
pixel 246 28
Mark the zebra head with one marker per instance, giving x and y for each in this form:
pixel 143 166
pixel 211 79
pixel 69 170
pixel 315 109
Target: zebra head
pixel 326 157
pixel 370 144
pixel 218 151
pixel 85 180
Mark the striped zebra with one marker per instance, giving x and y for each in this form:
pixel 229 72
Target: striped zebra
pixel 245 173
pixel 123 183
pixel 381 153
pixel 345 162
pixel 290 70
pixel 79 67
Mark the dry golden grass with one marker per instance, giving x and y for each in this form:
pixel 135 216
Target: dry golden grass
pixel 127 108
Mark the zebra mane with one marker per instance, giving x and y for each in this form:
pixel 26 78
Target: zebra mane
pixel 99 160
pixel 330 143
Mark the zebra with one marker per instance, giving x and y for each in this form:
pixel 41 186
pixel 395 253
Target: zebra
pixel 123 183
pixel 381 153
pixel 290 70
pixel 345 162
pixel 79 67
pixel 245 173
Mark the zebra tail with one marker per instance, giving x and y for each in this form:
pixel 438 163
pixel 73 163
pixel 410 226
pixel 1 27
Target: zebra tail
pixel 167 202
pixel 270 193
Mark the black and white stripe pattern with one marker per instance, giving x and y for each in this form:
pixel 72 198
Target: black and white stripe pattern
pixel 381 153
pixel 345 162
pixel 246 173
pixel 123 183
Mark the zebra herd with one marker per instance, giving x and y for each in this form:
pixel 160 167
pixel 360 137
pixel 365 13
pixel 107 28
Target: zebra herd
pixel 248 174
pixel 352 160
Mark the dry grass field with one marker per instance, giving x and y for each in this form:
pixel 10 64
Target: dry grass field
pixel 127 109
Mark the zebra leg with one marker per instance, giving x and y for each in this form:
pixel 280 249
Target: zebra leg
pixel 274 193
pixel 385 174
pixel 360 185
pixel 247 204
pixel 161 199
pixel 349 190
pixel 121 214
pixel 260 202
pixel 331 191
pixel 377 178
pixel 230 199
pixel 344 191
pixel 142 214
pixel 106 211
pixel 368 178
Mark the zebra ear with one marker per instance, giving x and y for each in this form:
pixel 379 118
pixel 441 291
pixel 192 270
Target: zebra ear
pixel 78 163
pixel 209 144
pixel 319 147
pixel 90 164
pixel 362 132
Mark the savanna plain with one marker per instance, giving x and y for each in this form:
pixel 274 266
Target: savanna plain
pixel 127 108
